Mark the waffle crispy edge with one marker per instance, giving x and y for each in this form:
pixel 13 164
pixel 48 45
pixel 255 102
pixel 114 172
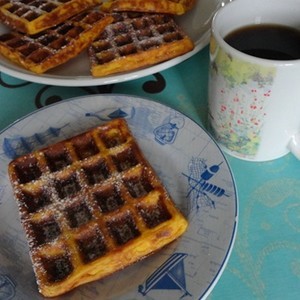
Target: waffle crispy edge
pixel 46 20
pixel 178 7
pixel 119 256
pixel 54 57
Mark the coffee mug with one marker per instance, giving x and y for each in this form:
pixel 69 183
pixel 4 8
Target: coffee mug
pixel 254 102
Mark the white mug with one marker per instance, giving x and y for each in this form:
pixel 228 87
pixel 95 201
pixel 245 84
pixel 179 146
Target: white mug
pixel 254 103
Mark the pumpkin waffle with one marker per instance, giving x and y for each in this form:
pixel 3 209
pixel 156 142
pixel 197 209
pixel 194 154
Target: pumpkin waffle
pixel 137 40
pixel 33 16
pixel 54 46
pixel 176 7
pixel 91 205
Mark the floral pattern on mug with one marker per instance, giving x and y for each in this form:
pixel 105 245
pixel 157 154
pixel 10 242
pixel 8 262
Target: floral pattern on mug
pixel 238 99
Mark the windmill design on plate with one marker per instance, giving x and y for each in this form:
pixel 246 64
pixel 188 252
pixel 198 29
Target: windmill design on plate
pixel 200 189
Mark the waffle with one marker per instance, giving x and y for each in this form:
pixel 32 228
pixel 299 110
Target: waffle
pixel 137 40
pixel 176 7
pixel 54 46
pixel 91 205
pixel 33 16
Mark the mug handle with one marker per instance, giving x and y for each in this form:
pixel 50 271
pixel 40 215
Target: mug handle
pixel 294 145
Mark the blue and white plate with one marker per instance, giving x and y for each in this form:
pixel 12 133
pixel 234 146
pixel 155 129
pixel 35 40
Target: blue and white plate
pixel 189 163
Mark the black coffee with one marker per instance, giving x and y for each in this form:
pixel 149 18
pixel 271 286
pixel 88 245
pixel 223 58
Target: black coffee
pixel 267 41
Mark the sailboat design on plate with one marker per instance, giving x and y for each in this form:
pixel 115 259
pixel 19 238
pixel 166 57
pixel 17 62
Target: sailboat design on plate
pixel 169 276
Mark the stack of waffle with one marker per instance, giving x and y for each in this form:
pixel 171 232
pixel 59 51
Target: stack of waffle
pixel 91 205
pixel 121 35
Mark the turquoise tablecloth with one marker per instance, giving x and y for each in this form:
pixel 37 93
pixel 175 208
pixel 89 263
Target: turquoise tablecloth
pixel 265 262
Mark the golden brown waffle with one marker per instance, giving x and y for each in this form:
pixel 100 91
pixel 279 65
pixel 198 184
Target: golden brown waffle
pixel 137 40
pixel 176 7
pixel 54 46
pixel 33 16
pixel 91 205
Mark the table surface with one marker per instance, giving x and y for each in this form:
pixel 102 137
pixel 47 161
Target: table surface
pixel 265 261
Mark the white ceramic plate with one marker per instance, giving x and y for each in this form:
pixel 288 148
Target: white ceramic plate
pixel 188 161
pixel 196 24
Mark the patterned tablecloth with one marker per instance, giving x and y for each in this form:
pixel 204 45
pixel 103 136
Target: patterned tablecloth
pixel 265 262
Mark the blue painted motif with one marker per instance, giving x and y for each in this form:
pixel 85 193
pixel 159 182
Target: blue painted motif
pixel 1 193
pixel 7 288
pixel 169 276
pixel 166 133
pixel 200 190
pixel 109 114
pixel 20 145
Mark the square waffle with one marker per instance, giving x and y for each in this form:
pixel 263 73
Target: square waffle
pixel 137 40
pixel 91 205
pixel 176 7
pixel 33 16
pixel 54 46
